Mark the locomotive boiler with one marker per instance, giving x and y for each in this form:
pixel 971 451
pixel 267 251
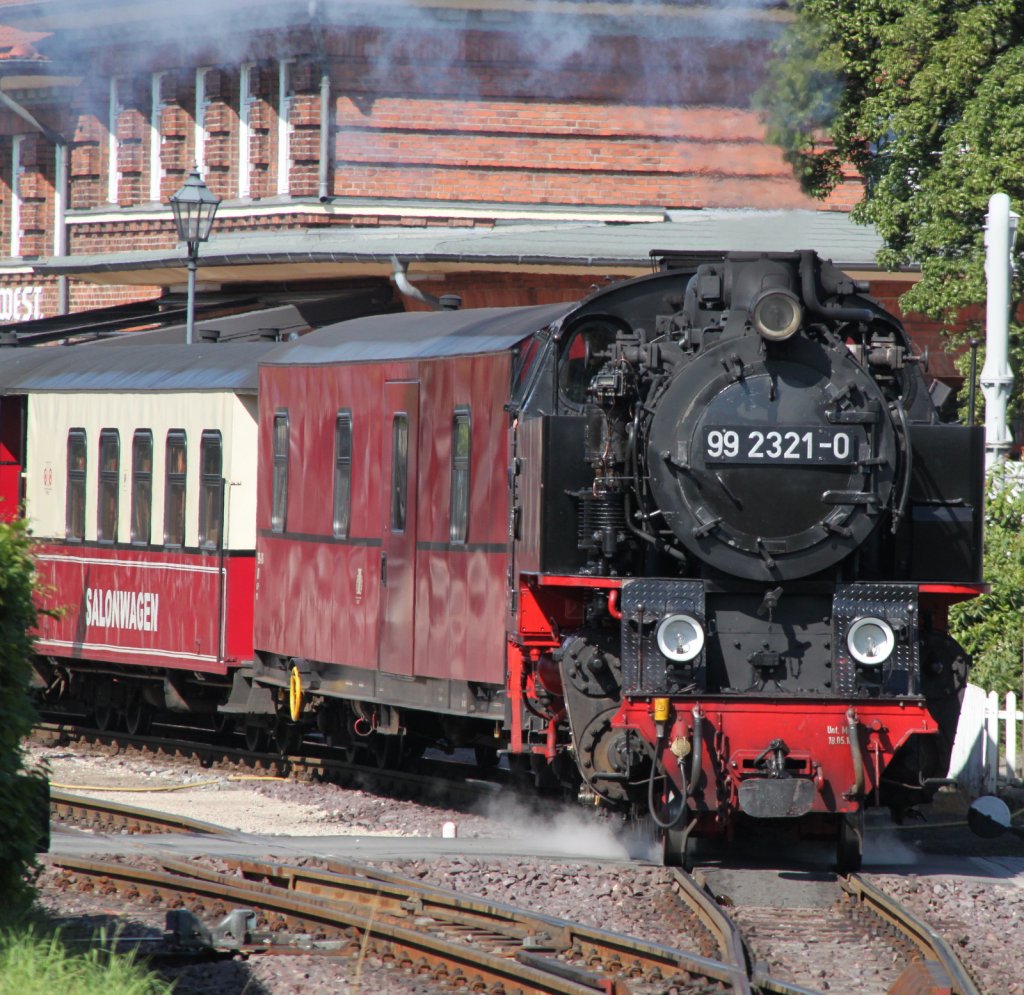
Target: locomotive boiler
pixel 739 523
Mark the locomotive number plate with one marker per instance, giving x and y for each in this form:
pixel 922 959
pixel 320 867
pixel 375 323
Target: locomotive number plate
pixel 795 446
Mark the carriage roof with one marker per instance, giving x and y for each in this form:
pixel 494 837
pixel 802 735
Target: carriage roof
pixel 128 368
pixel 417 335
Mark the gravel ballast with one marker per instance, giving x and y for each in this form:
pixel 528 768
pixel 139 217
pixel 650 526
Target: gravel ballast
pixel 977 906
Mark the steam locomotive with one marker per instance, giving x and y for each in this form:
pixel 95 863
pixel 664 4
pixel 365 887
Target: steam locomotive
pixel 686 547
pixel 770 525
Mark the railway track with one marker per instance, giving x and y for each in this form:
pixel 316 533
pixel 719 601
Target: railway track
pixel 799 938
pixel 791 946
pixel 69 809
pixel 448 783
pixel 354 911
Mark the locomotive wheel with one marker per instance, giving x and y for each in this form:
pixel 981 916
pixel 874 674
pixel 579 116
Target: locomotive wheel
pixel 678 849
pixel 850 843
pixel 602 749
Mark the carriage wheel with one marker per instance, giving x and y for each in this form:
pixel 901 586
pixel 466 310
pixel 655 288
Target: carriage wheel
pixel 104 715
pixel 138 716
pixel 486 757
pixel 255 737
pixel 384 751
pixel 287 736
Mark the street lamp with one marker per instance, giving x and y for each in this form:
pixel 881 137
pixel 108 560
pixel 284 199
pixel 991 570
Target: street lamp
pixel 194 207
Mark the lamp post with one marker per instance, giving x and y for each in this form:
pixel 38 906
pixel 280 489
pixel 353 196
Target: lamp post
pixel 996 375
pixel 194 207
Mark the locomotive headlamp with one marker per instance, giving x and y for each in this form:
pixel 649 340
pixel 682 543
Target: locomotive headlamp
pixel 680 637
pixel 776 314
pixel 870 641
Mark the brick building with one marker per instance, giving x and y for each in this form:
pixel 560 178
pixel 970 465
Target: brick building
pixel 513 151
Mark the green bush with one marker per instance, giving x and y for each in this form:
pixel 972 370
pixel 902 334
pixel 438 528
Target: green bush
pixel 991 628
pixel 33 963
pixel 20 791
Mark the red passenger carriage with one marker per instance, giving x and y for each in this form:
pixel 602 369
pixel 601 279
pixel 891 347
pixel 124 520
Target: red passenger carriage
pixel 383 548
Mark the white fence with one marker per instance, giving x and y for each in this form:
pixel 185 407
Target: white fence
pixel 977 762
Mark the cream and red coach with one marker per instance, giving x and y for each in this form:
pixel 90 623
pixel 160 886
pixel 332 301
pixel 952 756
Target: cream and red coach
pixel 139 488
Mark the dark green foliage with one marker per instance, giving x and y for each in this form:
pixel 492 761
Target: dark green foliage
pixel 19 793
pixel 925 100
pixel 990 628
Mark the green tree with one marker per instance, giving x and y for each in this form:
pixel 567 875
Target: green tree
pixel 990 627
pixel 925 100
pixel 21 793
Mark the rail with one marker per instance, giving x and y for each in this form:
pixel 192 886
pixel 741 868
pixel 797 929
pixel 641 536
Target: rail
pixel 939 966
pixel 91 813
pixel 438 779
pixel 356 910
pixel 442 932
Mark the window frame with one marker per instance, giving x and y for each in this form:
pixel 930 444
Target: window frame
pixel 458 507
pixel 342 522
pixel 142 480
pixel 280 446
pixel 399 471
pixel 74 510
pixel 175 480
pixel 211 485
pixel 108 486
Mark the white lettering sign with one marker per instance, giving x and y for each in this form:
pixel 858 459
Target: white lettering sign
pixel 21 303
pixel 107 609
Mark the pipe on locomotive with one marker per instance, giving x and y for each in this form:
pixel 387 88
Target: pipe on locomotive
pixel 810 294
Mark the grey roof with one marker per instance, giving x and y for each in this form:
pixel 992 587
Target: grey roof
pixel 583 244
pixel 417 334
pixel 16 365
pixel 92 367
pixel 283 320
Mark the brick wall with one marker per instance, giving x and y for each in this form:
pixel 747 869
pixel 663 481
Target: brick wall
pixel 444 116
pixel 409 124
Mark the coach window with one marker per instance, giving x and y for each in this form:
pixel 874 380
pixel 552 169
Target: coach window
pixel 110 474
pixel 279 505
pixel 74 512
pixel 142 487
pixel 211 490
pixel 399 470
pixel 458 526
pixel 174 488
pixel 342 473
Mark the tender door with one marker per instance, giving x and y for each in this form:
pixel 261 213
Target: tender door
pixel 399 468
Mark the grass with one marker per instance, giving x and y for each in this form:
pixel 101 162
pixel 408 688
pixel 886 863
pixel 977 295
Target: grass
pixel 36 961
